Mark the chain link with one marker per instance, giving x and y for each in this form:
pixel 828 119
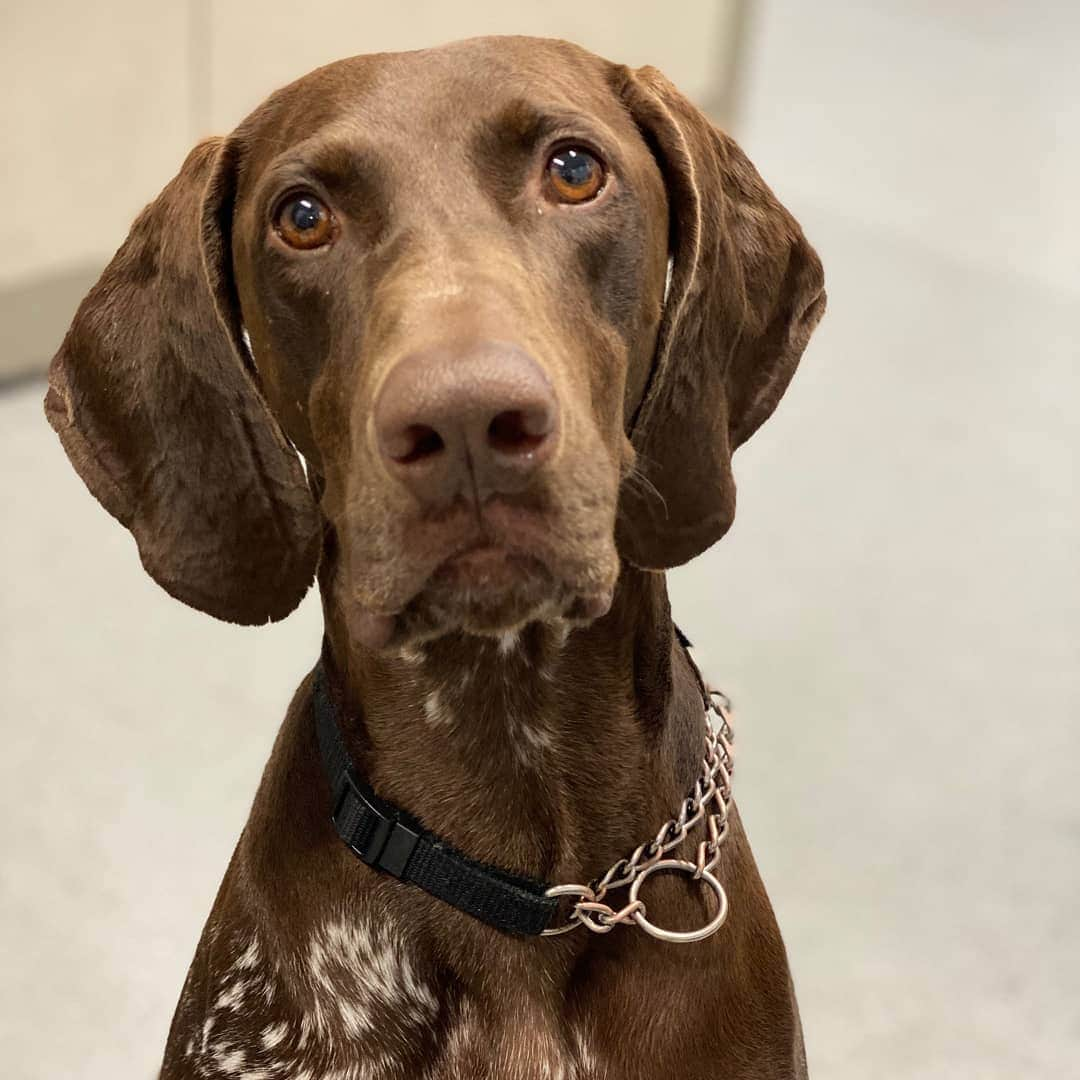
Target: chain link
pixel 709 801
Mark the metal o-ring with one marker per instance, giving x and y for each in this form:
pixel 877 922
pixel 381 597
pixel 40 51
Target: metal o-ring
pixel 690 868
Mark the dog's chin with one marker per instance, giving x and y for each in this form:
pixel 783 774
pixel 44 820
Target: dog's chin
pixel 487 591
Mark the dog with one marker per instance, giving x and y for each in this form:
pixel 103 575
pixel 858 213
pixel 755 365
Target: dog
pixel 469 335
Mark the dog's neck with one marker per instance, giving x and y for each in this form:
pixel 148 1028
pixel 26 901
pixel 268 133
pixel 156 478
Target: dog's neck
pixel 551 752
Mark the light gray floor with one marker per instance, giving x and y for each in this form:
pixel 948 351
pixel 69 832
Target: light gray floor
pixel 896 613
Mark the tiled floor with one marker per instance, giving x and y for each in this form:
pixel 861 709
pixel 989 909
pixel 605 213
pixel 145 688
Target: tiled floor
pixel 896 612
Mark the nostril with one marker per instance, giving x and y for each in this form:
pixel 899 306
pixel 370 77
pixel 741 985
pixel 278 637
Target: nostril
pixel 516 432
pixel 416 442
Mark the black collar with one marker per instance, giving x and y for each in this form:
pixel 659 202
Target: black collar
pixel 392 840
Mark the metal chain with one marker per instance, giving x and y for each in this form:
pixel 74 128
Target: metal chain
pixel 711 789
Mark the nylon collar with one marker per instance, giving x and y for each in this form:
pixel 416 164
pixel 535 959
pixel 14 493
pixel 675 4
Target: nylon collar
pixel 390 839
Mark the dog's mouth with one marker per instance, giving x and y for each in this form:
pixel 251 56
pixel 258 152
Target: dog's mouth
pixel 487 589
pixel 485 574
pixel 486 566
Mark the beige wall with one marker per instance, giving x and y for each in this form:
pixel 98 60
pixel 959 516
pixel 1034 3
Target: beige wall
pixel 110 95
pixel 96 114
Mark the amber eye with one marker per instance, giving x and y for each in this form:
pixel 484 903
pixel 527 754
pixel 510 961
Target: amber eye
pixel 304 221
pixel 575 174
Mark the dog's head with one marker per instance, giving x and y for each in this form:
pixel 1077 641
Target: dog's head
pixel 514 305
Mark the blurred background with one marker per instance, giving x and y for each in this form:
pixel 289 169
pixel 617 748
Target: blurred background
pixel 896 611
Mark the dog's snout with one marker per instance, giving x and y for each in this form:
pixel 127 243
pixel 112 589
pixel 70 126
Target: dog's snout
pixel 481 419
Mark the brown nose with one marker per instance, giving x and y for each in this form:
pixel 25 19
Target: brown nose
pixel 477 421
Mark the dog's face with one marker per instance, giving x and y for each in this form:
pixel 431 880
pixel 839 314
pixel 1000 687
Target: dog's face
pixel 448 338
pixel 441 277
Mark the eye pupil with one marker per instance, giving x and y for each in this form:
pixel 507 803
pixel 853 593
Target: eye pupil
pixel 303 221
pixel 574 175
pixel 305 215
pixel 574 169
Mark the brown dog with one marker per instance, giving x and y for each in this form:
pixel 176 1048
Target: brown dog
pixel 441 276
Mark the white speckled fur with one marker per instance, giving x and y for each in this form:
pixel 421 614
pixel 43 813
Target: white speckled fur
pixel 352 976
pixel 353 966
pixel 435 711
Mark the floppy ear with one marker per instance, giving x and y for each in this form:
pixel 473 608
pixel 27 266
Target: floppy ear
pixel 165 425
pixel 746 291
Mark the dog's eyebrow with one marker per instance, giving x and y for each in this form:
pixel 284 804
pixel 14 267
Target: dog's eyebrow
pixel 341 163
pixel 522 124
pixel 333 163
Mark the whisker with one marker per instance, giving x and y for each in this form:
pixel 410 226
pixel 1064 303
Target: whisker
pixel 637 479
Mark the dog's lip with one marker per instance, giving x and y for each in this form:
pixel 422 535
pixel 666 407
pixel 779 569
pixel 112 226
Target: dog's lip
pixel 474 559
pixel 479 554
pixel 482 558
pixel 484 563
pixel 500 534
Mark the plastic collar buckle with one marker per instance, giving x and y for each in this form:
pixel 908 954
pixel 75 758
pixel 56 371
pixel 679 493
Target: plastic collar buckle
pixel 389 844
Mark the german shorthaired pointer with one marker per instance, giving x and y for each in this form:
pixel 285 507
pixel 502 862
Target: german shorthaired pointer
pixel 469 335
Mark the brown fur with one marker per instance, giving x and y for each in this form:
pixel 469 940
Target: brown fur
pixel 502 712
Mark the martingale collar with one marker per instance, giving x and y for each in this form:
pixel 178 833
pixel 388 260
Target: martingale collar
pixel 391 840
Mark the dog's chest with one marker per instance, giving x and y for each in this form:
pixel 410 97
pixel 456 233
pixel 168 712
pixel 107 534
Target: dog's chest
pixel 356 1005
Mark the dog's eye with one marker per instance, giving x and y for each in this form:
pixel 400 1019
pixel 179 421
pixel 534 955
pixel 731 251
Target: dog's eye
pixel 304 221
pixel 575 175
